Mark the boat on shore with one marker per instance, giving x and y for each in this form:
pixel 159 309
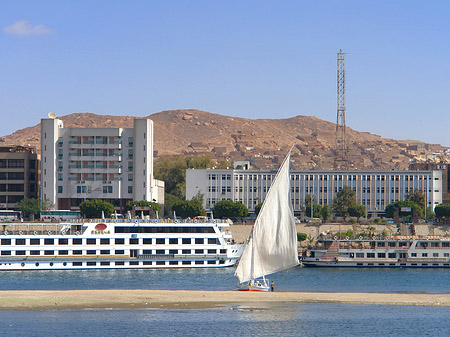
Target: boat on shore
pixel 379 251
pixel 272 245
pixel 117 244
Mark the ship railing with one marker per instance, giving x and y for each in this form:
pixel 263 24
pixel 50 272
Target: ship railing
pixel 39 229
pixel 364 237
pixel 158 221
pixel 429 248
pixel 430 259
pixel 156 256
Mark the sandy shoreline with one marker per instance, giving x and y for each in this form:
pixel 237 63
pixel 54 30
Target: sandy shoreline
pixel 183 299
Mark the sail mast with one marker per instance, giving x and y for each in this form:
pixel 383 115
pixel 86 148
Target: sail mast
pixel 273 239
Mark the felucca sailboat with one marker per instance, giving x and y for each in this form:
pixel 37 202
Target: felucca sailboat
pixel 272 245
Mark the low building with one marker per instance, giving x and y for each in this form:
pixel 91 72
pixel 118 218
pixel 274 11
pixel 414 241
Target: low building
pixel 19 171
pixel 374 189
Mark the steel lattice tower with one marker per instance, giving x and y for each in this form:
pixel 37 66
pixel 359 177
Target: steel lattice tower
pixel 341 161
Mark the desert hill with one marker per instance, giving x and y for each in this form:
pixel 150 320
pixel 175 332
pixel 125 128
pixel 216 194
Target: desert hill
pixel 262 141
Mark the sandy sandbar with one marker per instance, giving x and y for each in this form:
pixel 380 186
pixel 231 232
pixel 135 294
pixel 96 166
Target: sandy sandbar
pixel 183 299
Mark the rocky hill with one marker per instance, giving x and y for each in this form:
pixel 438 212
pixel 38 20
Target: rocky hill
pixel 262 141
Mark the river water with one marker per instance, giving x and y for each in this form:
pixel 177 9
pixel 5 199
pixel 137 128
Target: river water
pixel 231 320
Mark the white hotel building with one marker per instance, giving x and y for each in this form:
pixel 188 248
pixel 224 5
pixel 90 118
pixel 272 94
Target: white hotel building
pixel 374 189
pixel 114 164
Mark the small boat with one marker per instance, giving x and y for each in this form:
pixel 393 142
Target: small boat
pixel 272 245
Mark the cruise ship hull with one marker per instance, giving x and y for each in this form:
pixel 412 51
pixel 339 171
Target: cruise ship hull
pixel 380 252
pixel 117 244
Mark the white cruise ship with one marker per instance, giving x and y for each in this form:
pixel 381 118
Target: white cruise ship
pixel 117 244
pixel 379 251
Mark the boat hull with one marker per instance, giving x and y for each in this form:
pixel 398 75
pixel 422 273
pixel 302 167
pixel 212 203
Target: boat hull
pixel 114 244
pixel 333 264
pixel 258 286
pixel 380 252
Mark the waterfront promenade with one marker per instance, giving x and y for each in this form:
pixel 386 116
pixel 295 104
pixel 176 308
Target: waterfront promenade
pixel 183 299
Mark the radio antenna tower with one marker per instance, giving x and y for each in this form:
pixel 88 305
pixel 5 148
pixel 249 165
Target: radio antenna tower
pixel 341 161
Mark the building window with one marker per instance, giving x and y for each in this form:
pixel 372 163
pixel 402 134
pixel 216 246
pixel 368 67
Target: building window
pixel 81 189
pixel 60 189
pixel 130 189
pixel 107 189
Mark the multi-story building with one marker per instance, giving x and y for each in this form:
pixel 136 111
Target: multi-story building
pixel 374 189
pixel 19 170
pixel 114 164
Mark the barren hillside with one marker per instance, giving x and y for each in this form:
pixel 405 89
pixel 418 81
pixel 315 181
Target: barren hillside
pixel 263 141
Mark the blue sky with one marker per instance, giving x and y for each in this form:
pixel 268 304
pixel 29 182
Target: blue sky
pixel 253 59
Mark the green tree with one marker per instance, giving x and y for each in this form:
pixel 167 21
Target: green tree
pixel 169 201
pixel 143 203
pixel 172 170
pixel 325 213
pixel 223 164
pixel 258 208
pixel 199 197
pixel 417 197
pixel 357 211
pixel 344 199
pixel 442 211
pixel 229 209
pixel 93 208
pixel 430 213
pixel 200 162
pixel 317 209
pixel 31 207
pixel 188 209
pixel 302 236
pixel 393 206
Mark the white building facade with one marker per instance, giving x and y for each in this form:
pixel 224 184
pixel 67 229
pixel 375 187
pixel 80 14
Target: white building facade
pixel 374 189
pixel 114 164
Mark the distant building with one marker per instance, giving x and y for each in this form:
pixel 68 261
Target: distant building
pixel 374 189
pixel 113 164
pixel 19 170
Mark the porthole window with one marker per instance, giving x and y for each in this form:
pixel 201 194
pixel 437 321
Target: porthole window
pixel 23 264
pixel 37 264
pixel 51 264
pixel 64 264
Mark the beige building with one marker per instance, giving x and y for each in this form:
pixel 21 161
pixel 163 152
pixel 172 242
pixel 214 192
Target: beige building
pixel 112 164
pixel 19 171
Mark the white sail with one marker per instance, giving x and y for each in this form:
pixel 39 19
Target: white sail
pixel 272 245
